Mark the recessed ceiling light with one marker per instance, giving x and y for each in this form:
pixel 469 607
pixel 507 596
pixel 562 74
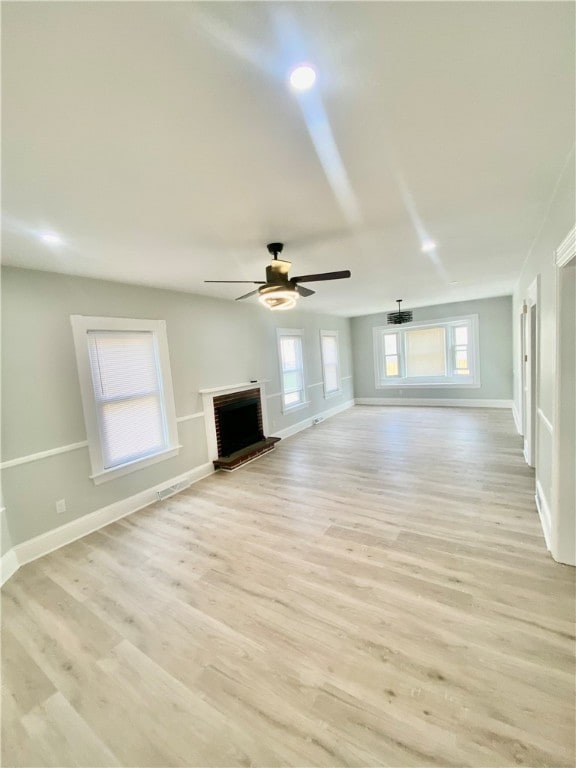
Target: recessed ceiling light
pixel 454 282
pixel 302 77
pixel 428 245
pixel 52 238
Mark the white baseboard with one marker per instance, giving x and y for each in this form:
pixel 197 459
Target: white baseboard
pixel 517 420
pixel 308 422
pixel 8 566
pixel 544 514
pixel 82 526
pixel 435 401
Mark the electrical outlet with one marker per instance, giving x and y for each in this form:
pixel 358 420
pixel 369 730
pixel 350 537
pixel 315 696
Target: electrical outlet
pixel 60 506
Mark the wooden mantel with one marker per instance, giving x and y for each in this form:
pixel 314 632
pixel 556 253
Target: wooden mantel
pixel 233 387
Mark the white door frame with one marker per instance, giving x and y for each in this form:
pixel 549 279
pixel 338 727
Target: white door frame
pixel 531 377
pixel 521 426
pixel 563 518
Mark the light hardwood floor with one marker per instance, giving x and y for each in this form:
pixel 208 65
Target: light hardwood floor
pixel 374 592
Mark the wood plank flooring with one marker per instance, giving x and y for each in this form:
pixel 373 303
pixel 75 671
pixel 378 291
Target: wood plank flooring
pixel 374 592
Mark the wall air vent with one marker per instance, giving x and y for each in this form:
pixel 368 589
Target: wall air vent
pixel 397 318
pixel 170 490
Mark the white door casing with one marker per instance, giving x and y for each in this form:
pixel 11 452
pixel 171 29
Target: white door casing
pixel 530 363
pixel 563 544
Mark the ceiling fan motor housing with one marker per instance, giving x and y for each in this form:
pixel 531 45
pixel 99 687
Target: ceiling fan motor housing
pixel 277 272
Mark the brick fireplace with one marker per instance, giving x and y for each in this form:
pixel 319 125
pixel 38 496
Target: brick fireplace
pixel 235 424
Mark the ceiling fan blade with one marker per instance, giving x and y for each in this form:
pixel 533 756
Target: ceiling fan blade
pixel 246 295
pixel 322 276
pixel 252 282
pixel 304 291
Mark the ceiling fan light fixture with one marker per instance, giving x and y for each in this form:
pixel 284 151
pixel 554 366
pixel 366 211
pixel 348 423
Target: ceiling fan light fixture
pixel 278 298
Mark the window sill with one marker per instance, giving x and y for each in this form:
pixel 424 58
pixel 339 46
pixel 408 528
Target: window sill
pixel 133 466
pixel 298 407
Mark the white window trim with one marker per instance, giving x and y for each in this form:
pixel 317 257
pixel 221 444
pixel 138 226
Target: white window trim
pixel 449 383
pixel 80 327
pixel 306 402
pixel 338 391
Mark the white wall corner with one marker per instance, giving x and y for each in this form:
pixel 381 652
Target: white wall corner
pixel 82 526
pixel 544 514
pixel 8 566
pixel 309 421
pixel 545 421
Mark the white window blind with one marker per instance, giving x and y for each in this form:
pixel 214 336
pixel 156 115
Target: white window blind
pixel 330 362
pixel 426 352
pixel 128 394
pixel 292 367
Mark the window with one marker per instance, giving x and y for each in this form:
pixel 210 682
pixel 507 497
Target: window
pixel 126 388
pixel 440 353
pixel 330 362
pixel 291 368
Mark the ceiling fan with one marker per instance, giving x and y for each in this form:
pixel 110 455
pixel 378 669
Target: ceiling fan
pixel 279 291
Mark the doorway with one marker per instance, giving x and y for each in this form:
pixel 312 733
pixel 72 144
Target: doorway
pixel 530 373
pixel 522 416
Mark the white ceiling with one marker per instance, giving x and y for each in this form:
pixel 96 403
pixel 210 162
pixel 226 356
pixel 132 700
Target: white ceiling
pixel 161 142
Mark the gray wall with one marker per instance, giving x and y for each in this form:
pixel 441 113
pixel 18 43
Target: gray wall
pixel 211 342
pixel 495 335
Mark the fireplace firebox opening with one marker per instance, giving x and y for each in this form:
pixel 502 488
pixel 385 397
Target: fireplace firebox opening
pixel 239 429
pixel 239 425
